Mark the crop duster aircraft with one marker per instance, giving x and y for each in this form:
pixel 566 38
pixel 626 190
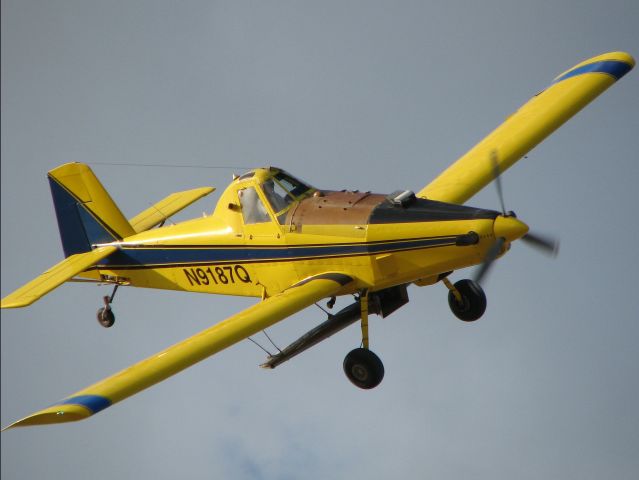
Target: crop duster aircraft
pixel 277 238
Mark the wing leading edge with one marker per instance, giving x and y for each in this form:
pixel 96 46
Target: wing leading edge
pixel 174 359
pixel 528 126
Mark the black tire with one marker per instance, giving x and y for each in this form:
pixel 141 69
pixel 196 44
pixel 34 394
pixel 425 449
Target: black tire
pixel 105 316
pixel 473 304
pixel 363 368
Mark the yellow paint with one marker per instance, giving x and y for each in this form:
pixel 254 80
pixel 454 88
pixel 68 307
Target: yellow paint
pixel 521 132
pixel 78 179
pixel 54 277
pixel 452 288
pixel 364 309
pixel 192 350
pixel 167 207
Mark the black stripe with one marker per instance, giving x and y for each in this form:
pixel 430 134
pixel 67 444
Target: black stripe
pixel 423 210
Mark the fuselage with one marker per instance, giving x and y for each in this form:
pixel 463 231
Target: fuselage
pixel 380 240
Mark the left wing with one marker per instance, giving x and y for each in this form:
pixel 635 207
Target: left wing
pixel 174 359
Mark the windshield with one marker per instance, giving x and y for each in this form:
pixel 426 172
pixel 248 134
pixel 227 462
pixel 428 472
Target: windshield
pixel 281 190
pixel 293 186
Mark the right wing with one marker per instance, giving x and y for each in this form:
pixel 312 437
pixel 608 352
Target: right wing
pixel 167 207
pixel 174 359
pixel 528 126
pixel 54 277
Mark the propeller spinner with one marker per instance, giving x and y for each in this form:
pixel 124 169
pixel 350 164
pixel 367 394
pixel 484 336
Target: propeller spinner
pixel 508 228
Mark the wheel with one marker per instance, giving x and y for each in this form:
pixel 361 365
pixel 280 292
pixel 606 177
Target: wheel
pixel 363 368
pixel 473 304
pixel 106 318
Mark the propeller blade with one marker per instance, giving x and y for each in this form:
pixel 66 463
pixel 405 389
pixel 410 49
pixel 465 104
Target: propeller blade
pixel 490 258
pixel 543 243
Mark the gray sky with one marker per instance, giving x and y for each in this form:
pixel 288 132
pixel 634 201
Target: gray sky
pixel 368 95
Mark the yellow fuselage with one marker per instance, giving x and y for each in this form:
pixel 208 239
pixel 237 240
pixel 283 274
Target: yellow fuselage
pixel 360 234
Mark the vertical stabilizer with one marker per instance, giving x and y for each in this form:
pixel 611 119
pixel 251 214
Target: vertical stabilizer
pixel 86 213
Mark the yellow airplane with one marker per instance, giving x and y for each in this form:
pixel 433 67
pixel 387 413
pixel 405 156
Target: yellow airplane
pixel 277 238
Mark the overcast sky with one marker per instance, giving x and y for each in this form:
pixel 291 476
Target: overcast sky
pixel 345 94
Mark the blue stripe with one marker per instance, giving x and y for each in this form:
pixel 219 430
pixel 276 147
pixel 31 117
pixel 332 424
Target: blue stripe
pixel 95 403
pixel 72 233
pixel 78 227
pixel 163 256
pixel 613 68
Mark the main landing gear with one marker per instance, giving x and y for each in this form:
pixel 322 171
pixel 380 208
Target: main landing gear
pixel 466 299
pixel 105 314
pixel 362 367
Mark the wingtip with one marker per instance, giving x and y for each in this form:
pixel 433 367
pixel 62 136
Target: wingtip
pixel 52 415
pixel 614 64
pixel 10 302
pixel 623 57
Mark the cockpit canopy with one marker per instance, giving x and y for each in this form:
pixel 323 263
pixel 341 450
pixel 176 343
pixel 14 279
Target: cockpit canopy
pixel 280 190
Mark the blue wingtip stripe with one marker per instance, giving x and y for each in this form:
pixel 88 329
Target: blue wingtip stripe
pixel 614 68
pixel 95 403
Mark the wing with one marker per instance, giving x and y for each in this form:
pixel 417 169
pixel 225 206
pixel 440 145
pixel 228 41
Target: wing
pixel 528 126
pixel 167 207
pixel 188 352
pixel 54 277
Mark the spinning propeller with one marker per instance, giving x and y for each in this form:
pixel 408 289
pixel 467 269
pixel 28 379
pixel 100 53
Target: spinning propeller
pixel 508 228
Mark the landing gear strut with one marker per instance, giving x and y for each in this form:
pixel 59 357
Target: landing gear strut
pixel 362 367
pixel 466 299
pixel 105 315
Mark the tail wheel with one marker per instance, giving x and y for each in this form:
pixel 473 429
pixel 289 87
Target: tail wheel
pixel 363 368
pixel 106 318
pixel 473 301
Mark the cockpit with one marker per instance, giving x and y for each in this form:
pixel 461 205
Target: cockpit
pixel 280 190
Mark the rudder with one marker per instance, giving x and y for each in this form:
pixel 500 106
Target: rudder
pixel 86 213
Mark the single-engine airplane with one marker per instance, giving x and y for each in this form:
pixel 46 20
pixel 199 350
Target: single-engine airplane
pixel 275 237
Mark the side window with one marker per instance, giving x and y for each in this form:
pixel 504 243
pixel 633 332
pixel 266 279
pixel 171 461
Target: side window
pixel 276 195
pixel 253 210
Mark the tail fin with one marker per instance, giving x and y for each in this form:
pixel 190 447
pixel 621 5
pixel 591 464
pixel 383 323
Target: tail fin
pixel 86 213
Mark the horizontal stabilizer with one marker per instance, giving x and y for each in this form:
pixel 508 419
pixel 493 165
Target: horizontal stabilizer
pixel 528 126
pixel 167 207
pixel 54 277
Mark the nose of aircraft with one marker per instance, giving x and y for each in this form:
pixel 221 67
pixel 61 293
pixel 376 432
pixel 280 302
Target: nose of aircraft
pixel 509 228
